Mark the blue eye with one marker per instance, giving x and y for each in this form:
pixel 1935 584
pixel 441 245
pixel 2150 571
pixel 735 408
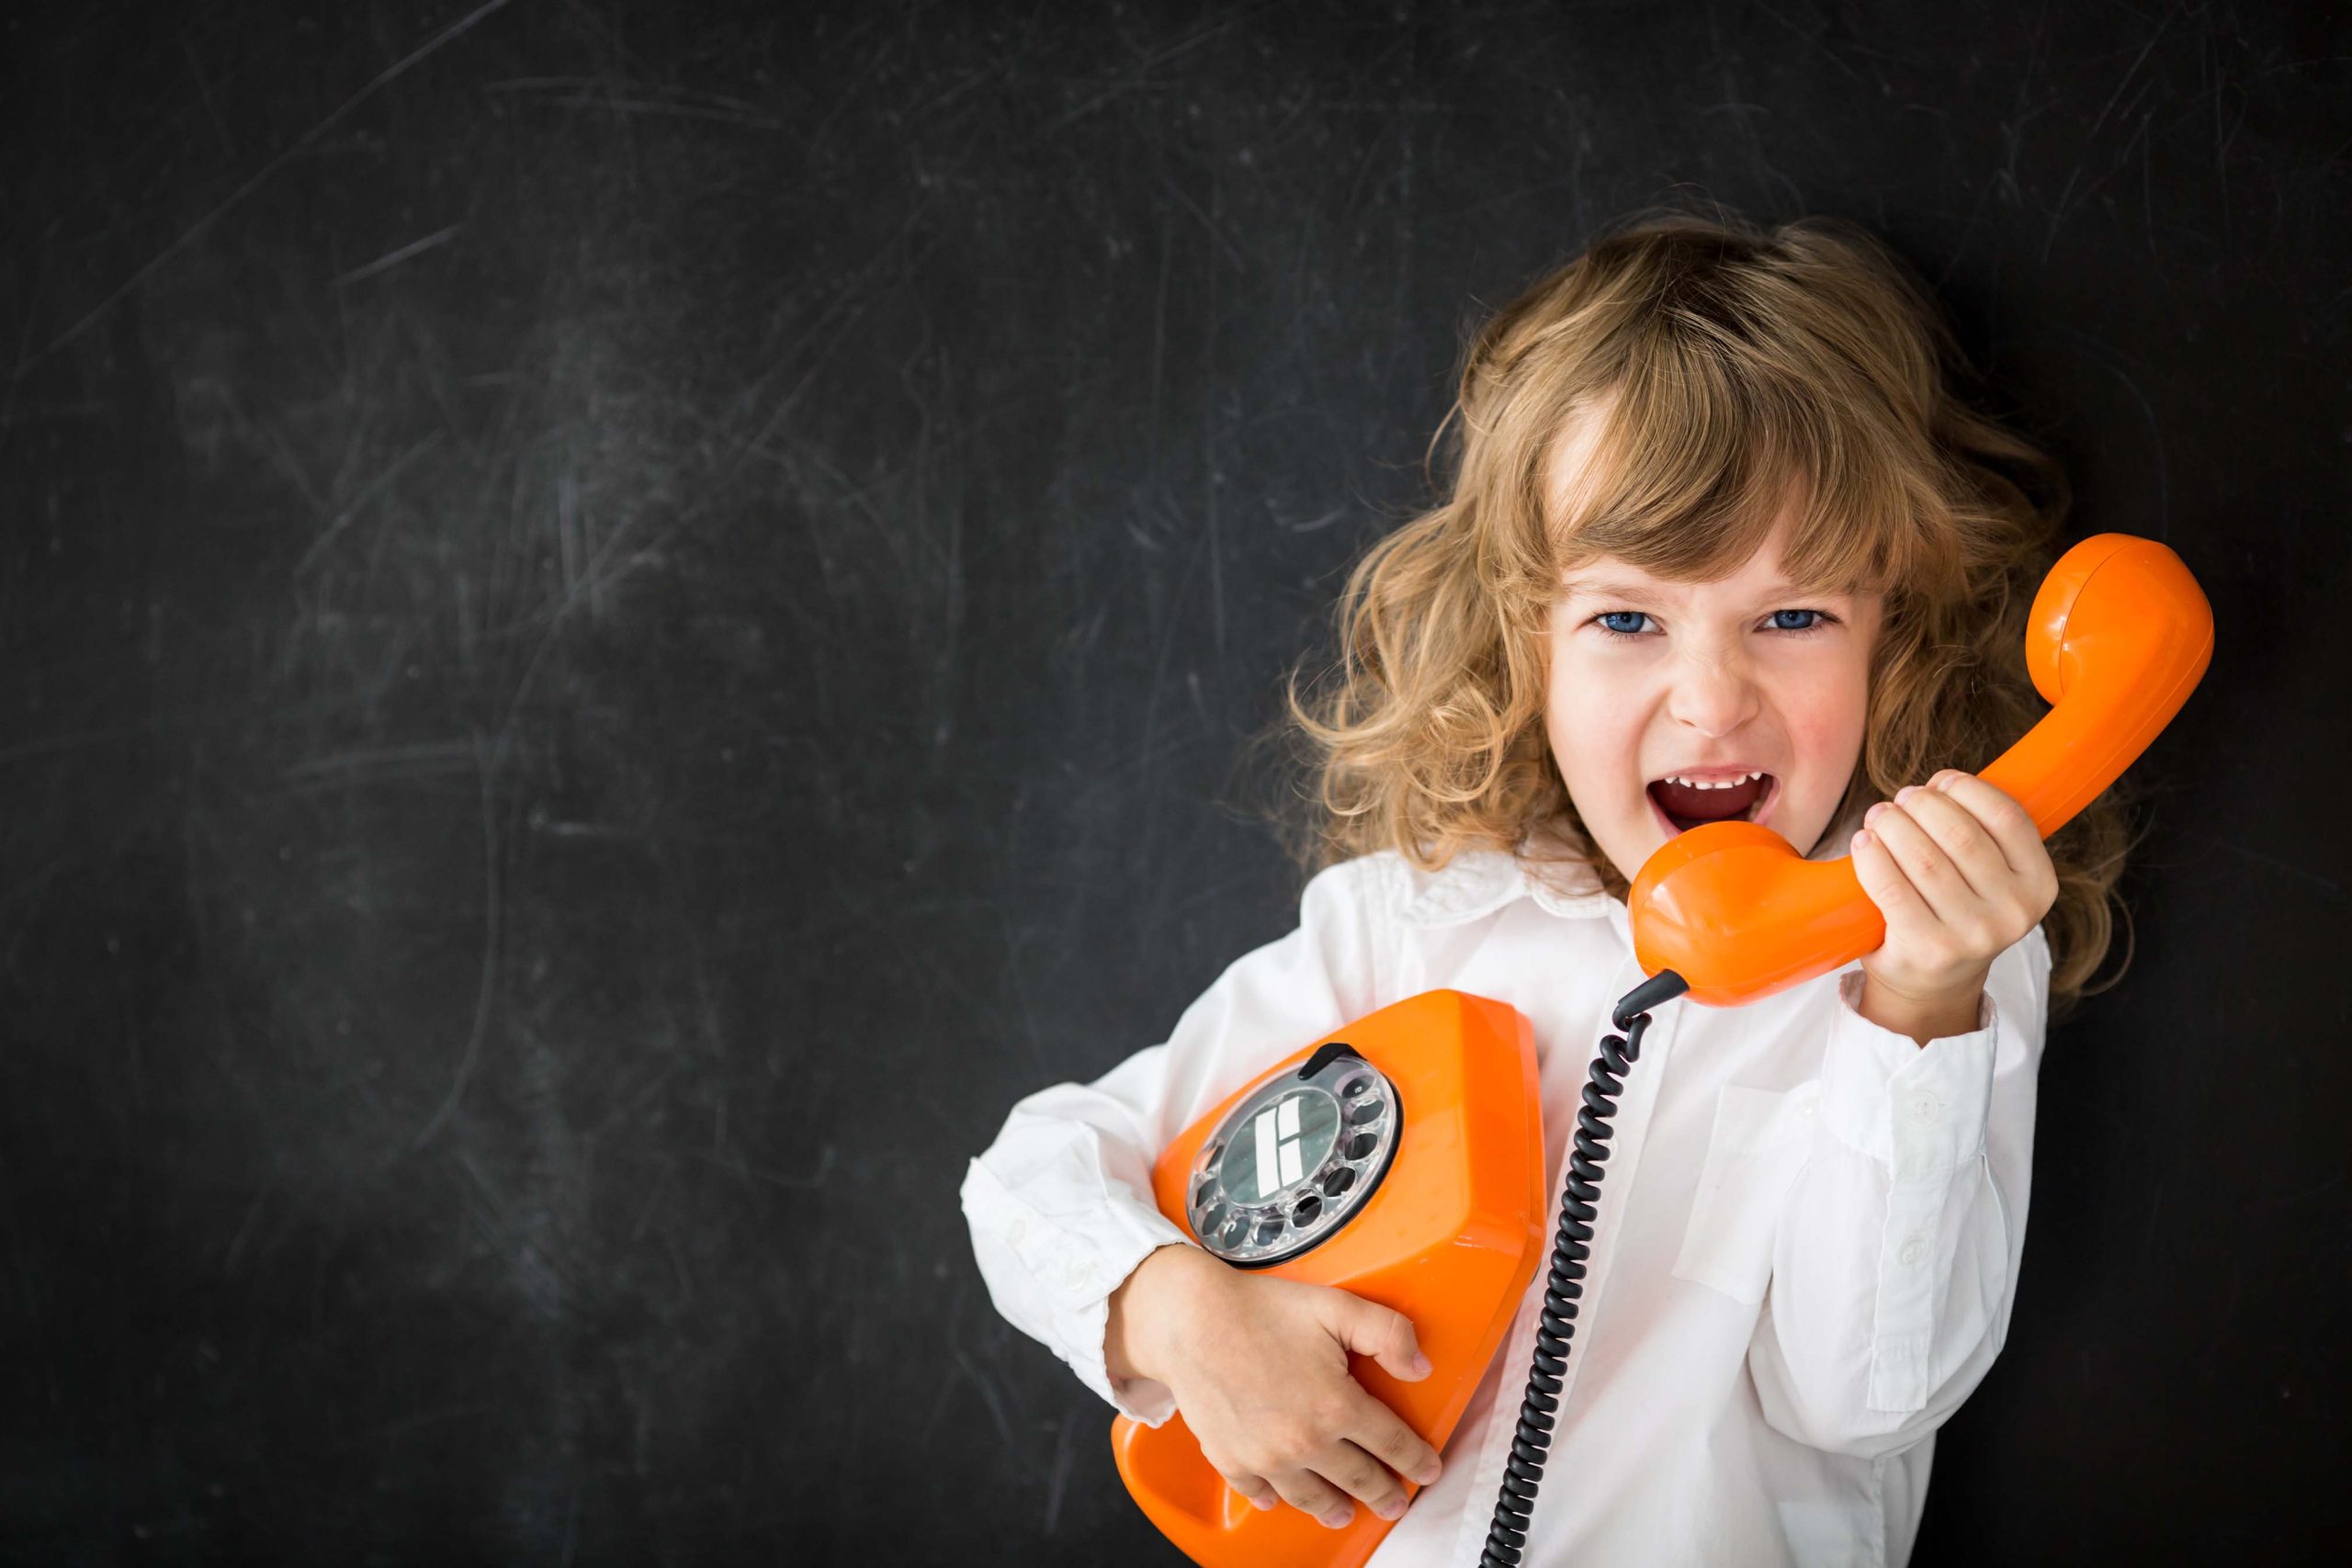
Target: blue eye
pixel 1635 617
pixel 1781 623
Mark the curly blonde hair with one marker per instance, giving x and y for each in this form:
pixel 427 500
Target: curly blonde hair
pixel 1736 368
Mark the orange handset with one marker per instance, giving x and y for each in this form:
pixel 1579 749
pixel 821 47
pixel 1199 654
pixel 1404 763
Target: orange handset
pixel 1401 1158
pixel 2117 638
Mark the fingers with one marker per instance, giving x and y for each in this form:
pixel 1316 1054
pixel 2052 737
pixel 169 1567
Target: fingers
pixel 1320 1485
pixel 2011 827
pixel 1324 1474
pixel 1385 1336
pixel 1320 1442
pixel 1970 853
pixel 1337 1475
pixel 1383 1435
pixel 1256 1490
pixel 1898 902
pixel 1943 850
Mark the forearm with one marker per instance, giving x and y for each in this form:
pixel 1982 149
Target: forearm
pixel 1139 1305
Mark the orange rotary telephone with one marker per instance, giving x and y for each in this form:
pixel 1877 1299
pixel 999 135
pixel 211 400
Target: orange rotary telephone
pixel 1401 1158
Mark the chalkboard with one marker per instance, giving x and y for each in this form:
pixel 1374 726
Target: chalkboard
pixel 623 623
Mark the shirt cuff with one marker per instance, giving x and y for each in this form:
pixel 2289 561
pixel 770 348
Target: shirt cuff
pixel 1919 1110
pixel 1077 1258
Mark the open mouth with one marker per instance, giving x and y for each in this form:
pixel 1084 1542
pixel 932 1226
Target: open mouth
pixel 1684 804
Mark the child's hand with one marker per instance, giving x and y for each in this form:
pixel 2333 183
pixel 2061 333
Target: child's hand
pixel 1960 873
pixel 1259 1366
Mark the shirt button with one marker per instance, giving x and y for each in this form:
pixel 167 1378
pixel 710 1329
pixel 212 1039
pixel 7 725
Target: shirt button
pixel 1913 1250
pixel 1923 1108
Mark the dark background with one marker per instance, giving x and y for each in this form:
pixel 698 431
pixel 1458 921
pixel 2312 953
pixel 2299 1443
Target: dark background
pixel 622 622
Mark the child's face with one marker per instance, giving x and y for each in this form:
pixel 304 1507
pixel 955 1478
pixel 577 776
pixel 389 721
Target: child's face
pixel 1708 681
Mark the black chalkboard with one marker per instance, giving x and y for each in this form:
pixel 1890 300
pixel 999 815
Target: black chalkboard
pixel 623 623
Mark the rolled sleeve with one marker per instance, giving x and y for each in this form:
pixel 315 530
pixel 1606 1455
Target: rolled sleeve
pixel 1052 1271
pixel 1896 1259
pixel 1060 1204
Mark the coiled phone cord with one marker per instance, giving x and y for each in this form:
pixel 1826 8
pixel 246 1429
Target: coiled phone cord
pixel 1515 1504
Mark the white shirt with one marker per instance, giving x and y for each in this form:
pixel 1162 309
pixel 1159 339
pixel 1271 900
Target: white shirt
pixel 1806 1254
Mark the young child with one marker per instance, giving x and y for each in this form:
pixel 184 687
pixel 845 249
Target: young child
pixel 1723 540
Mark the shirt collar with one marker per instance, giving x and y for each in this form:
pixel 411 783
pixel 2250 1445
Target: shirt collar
pixel 1477 882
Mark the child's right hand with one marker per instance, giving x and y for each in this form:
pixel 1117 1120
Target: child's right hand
pixel 1259 1366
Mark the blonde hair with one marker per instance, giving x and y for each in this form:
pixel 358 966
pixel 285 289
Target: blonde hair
pixel 1737 369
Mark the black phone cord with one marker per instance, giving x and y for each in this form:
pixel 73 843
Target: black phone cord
pixel 1515 1504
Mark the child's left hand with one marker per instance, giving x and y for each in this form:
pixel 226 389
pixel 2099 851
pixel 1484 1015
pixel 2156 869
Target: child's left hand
pixel 1960 873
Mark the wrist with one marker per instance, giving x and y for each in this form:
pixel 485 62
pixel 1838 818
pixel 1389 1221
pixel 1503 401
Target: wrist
pixel 1141 1303
pixel 1924 1016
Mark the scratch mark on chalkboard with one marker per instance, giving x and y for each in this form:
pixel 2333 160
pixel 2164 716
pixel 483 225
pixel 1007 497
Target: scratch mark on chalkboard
pixel 1064 1452
pixel 1820 45
pixel 2059 212
pixel 245 1232
pixel 733 1161
pixel 204 89
pixel 2012 129
pixel 990 1395
pixel 845 298
pixel 1159 348
pixel 572 1525
pixel 2335 889
pixel 358 503
pixel 2098 352
pixel 1143 68
pixel 601 93
pixel 72 739
pixel 374 763
pixel 393 258
pixel 385 78
pixel 420 1419
pixel 1232 250
pixel 489 984
pixel 2329 1185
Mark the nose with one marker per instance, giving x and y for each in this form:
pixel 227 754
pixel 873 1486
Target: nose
pixel 1713 693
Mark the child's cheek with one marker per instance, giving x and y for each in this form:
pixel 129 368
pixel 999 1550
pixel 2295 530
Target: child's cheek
pixel 1594 727
pixel 1827 718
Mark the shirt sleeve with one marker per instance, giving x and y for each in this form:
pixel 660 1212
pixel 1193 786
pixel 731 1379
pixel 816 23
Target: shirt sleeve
pixel 1060 1205
pixel 1895 1258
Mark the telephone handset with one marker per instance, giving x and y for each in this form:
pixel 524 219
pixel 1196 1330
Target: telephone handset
pixel 1401 1158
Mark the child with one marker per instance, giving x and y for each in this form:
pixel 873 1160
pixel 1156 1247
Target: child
pixel 1723 541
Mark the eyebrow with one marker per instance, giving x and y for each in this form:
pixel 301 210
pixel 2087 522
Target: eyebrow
pixel 1611 589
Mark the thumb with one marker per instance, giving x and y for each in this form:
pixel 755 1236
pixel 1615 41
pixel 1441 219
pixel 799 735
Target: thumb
pixel 1385 1336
